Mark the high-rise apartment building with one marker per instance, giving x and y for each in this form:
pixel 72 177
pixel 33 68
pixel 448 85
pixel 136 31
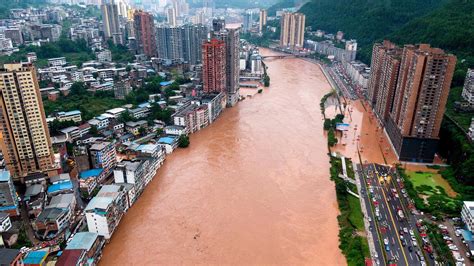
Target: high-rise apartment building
pixel 171 17
pixel 468 89
pixel 144 29
pixel 292 30
pixel 218 24
pixel 231 37
pixel 110 18
pixel 26 145
pixel 247 22
pixel 386 59
pixel 181 44
pixel 416 110
pixel 214 66
pixel 262 20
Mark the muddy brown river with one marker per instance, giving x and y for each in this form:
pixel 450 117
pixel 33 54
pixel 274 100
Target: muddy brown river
pixel 252 188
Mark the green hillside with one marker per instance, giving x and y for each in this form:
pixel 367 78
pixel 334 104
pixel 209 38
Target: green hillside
pixel 449 27
pixel 365 20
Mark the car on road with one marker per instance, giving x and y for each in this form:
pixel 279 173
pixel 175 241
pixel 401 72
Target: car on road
pixel 442 226
pixel 405 230
pixel 412 233
pixel 410 248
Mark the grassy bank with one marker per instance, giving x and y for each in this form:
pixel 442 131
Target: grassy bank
pixel 352 240
pixel 430 197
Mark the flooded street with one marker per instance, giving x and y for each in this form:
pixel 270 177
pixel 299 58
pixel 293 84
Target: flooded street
pixel 252 188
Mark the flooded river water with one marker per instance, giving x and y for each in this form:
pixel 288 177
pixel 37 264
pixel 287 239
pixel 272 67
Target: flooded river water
pixel 252 188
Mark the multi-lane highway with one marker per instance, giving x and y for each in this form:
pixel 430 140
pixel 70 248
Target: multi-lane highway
pixel 393 226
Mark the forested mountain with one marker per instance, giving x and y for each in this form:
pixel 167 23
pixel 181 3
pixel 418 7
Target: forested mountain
pixel 449 27
pixel 365 20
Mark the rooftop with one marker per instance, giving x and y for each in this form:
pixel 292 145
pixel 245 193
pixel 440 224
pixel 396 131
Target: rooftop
pixel 167 140
pixel 61 201
pixel 92 172
pixel 4 175
pixel 73 112
pixel 98 146
pixel 50 214
pixel 82 240
pixel 99 203
pixel 33 190
pixel 60 177
pixel 70 257
pixel 64 185
pixel 7 255
pixel 35 257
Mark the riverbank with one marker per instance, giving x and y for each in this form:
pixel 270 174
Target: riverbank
pixel 352 236
pixel 251 189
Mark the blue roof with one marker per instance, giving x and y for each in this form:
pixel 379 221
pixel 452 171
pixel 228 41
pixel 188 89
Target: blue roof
pixel 65 185
pixel 166 83
pixel 35 257
pixel 167 140
pixel 82 240
pixel 4 175
pixel 91 172
pixel 145 104
pixel 73 112
pixel 7 208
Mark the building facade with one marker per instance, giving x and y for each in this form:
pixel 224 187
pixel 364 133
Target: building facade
pixel 8 197
pixel 181 44
pixel 468 89
pixel 231 38
pixel 26 144
pixel 144 29
pixel 214 66
pixel 385 65
pixel 292 30
pixel 110 18
pixel 262 20
pixel 419 101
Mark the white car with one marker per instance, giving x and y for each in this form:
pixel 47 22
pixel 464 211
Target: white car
pixel 441 226
pixel 405 230
pixel 411 232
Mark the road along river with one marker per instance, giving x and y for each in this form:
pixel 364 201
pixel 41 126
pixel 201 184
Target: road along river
pixel 252 188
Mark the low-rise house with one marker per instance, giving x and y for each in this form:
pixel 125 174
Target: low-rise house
pixel 34 199
pixel 8 196
pixel 116 112
pixel 140 112
pixel 84 249
pixel 169 143
pixel 55 217
pixel 103 155
pixel 175 130
pixel 126 138
pixel 133 172
pixel 118 128
pixel 84 129
pixel 134 127
pixel 72 133
pixel 5 222
pixel 89 180
pixel 74 116
pixel 467 215
pixel 100 122
pixel 104 211
pixel 60 188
